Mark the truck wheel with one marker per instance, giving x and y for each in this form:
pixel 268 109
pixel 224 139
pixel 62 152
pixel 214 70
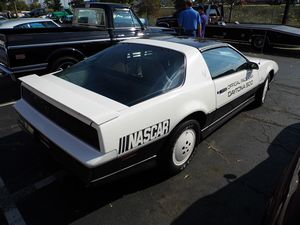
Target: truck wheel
pixel 180 147
pixel 63 63
pixel 259 42
pixel 261 94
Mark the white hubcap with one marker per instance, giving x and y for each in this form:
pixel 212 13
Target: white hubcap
pixel 183 147
pixel 265 91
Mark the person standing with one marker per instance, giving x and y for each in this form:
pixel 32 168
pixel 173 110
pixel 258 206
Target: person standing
pixel 190 21
pixel 203 19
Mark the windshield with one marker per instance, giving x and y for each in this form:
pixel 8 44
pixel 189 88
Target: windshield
pixel 129 73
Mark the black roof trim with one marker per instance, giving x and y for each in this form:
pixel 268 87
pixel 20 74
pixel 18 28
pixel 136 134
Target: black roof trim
pixel 199 43
pixel 102 4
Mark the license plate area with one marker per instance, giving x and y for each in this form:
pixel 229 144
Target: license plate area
pixel 29 129
pixel 44 140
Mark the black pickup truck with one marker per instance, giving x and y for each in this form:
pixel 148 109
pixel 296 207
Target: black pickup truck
pixel 95 27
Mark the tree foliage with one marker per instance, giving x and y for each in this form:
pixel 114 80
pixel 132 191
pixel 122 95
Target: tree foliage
pixel 179 4
pixel 9 5
pixel 3 5
pixel 53 4
pixel 148 7
pixel 35 5
pixel 120 1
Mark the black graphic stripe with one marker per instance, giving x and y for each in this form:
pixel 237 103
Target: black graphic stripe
pixel 120 145
pixel 123 144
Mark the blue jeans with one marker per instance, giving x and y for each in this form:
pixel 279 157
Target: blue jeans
pixel 190 33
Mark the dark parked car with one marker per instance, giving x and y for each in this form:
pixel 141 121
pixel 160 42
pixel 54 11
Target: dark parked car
pixel 284 205
pixel 28 23
pixel 38 12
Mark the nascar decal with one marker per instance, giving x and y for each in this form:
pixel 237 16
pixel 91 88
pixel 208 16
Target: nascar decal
pixel 144 136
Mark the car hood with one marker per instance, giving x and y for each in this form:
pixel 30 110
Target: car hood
pixel 257 60
pixel 81 103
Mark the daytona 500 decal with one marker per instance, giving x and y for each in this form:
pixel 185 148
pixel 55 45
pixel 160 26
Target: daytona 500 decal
pixel 144 136
pixel 238 86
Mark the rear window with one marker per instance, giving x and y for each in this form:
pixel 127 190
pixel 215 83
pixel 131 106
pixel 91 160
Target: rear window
pixel 129 73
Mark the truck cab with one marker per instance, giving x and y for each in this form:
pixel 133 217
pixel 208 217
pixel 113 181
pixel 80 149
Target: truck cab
pixel 120 20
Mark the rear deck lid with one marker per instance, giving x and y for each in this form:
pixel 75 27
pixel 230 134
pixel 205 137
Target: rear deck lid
pixel 81 103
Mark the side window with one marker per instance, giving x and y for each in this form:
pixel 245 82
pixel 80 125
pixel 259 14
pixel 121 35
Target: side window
pixel 22 26
pixel 135 21
pixel 223 61
pixel 93 17
pixel 213 12
pixel 36 25
pixel 49 24
pixel 123 18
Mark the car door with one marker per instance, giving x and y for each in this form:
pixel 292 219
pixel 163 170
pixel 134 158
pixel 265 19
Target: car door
pixel 232 77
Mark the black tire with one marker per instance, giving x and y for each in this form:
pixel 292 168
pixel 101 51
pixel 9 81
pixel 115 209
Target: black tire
pixel 260 96
pixel 178 152
pixel 259 42
pixel 63 63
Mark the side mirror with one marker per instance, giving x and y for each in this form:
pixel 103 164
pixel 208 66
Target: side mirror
pixel 5 71
pixel 253 66
pixel 144 21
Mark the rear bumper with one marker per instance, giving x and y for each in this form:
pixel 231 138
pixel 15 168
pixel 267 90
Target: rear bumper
pixel 109 171
pixel 109 168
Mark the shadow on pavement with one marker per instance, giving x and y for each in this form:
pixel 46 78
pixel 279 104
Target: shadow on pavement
pixel 67 199
pixel 24 162
pixel 244 199
pixel 71 202
pixel 9 90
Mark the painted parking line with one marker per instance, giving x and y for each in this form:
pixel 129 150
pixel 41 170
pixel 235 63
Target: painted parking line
pixel 7 104
pixel 8 206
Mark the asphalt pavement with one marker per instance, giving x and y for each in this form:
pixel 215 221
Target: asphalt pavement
pixel 228 182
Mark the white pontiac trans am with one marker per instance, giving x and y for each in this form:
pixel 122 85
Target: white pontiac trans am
pixel 141 100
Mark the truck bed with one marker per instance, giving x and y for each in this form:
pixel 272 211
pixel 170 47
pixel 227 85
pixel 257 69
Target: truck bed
pixel 268 27
pixel 20 38
pixel 258 35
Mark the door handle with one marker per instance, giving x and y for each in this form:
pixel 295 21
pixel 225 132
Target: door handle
pixel 221 91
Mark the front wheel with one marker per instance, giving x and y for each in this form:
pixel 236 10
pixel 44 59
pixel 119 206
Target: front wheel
pixel 260 96
pixel 180 148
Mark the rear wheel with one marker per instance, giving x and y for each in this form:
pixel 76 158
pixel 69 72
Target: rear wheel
pixel 259 42
pixel 63 63
pixel 180 147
